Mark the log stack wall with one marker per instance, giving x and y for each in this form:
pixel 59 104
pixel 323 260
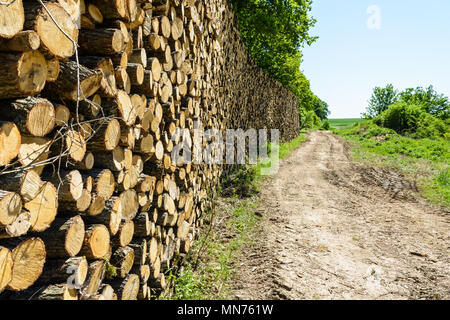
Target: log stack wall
pixel 92 205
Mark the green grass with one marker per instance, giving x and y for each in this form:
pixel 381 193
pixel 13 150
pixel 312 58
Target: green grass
pixel 344 123
pixel 210 265
pixel 424 160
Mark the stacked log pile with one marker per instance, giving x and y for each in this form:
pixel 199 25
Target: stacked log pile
pixel 92 205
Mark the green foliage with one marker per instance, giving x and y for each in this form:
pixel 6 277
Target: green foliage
pixel 210 276
pixel 110 271
pixel 240 182
pixel 419 113
pixel 274 32
pixel 412 120
pixel 401 117
pixel 312 121
pixel 321 108
pixel 380 101
pixel 433 103
pixel 344 123
pixel 326 125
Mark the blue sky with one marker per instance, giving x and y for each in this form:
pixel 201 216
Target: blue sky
pixel 412 48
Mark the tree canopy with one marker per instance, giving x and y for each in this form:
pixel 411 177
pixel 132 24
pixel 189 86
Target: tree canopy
pixel 274 32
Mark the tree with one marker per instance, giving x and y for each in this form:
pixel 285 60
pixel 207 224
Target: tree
pixel 274 32
pixel 380 101
pixel 321 108
pixel 433 103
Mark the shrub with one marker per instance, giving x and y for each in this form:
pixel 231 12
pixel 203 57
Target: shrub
pixel 326 125
pixel 312 120
pixel 432 127
pixel 412 120
pixel 402 117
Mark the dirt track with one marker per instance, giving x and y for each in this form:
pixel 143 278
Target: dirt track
pixel 334 229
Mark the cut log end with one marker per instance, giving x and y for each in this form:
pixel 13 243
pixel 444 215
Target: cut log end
pixel 10 141
pixel 11 18
pixel 29 258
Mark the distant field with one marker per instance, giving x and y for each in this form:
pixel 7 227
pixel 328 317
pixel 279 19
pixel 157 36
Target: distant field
pixel 343 123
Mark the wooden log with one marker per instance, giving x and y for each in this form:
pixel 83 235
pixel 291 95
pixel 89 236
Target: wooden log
pixel 123 259
pixel 72 7
pixel 142 225
pixel 96 241
pixel 23 41
pixel 122 79
pixel 25 74
pixel 112 160
pixel 64 238
pixel 139 56
pixel 43 207
pixel 115 10
pixel 95 276
pixel 129 204
pixel 10 142
pixel 53 40
pixel 35 116
pixel 66 84
pixel 18 227
pixel 62 115
pixel 11 18
pixel 107 41
pixel 136 73
pixel 52 69
pixel 140 251
pixel 10 207
pixel 108 87
pixel 111 216
pixel 94 13
pixel 33 152
pixel 121 107
pixel 68 183
pixel 72 271
pixel 153 252
pixel 6 267
pixel 90 108
pixel 84 165
pixel 104 183
pixel 26 183
pixel 62 291
pixel 73 146
pixel 128 288
pixel 159 282
pixel 97 205
pixel 28 261
pixel 106 137
pixel 78 206
pixel 125 234
pixel 105 292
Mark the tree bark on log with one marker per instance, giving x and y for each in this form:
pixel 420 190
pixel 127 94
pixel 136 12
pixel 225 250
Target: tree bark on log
pixel 53 40
pixel 29 258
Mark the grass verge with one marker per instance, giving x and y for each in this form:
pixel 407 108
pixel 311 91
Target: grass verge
pixel 423 160
pixel 209 267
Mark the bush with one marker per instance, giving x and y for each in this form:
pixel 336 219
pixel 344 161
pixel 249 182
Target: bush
pixel 432 127
pixel 312 120
pixel 326 125
pixel 402 117
pixel 369 129
pixel 413 120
